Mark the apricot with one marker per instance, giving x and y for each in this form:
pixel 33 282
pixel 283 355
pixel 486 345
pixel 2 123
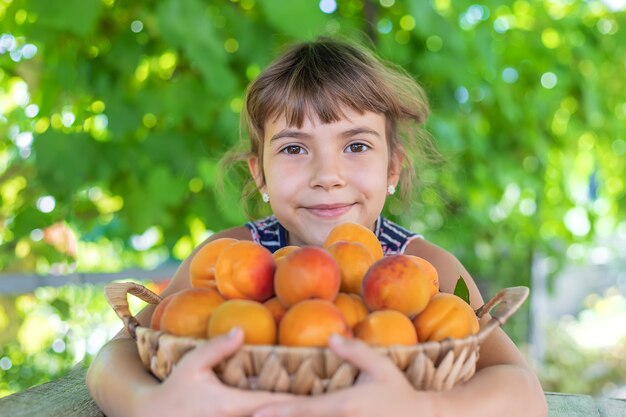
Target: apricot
pixel 311 323
pixel 256 321
pixel 354 259
pixel 446 315
pixel 276 308
pixel 386 328
pixel 189 311
pixel 354 232
pixel 245 270
pixel 284 251
pixel 202 266
pixel 398 283
pixel 352 308
pixel 308 272
pixel 430 270
pixel 155 321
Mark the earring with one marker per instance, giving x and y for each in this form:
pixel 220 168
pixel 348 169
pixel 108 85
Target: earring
pixel 265 197
pixel 391 189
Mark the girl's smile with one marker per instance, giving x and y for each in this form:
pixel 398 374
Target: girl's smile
pixel 321 175
pixel 329 211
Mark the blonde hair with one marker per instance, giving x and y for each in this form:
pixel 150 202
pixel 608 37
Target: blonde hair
pixel 322 77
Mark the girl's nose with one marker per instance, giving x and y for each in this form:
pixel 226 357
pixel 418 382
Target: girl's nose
pixel 327 172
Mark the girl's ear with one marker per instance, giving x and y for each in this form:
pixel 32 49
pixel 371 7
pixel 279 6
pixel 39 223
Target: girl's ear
pixel 395 167
pixel 256 170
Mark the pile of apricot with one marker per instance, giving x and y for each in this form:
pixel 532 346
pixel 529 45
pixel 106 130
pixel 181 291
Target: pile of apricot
pixel 299 296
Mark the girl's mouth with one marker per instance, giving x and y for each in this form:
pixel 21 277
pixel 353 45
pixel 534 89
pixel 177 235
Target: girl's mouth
pixel 329 210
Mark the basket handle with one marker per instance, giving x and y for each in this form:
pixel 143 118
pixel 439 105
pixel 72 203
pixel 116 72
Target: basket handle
pixel 116 295
pixel 506 302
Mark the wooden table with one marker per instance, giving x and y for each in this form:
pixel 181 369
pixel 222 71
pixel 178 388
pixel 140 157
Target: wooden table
pixel 68 397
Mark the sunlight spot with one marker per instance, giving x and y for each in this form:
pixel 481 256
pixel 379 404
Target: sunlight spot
pixel 509 75
pixel 29 50
pixel 5 363
pixel 549 80
pixel 31 110
pixel 407 22
pixel 58 346
pixel 328 6
pixel 461 94
pixel 577 221
pixel 384 25
pixel 550 38
pixel 46 204
pixel 231 45
pixel 136 26
pixel 434 43
pixel 146 240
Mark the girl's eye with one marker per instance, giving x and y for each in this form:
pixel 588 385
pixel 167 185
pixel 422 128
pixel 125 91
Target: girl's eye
pixel 292 150
pixel 357 147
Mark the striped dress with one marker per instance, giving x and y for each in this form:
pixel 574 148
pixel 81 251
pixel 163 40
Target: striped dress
pixel 272 235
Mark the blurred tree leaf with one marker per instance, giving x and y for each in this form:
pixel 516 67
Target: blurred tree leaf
pixel 185 24
pixel 62 307
pixel 76 16
pixel 282 16
pixel 64 161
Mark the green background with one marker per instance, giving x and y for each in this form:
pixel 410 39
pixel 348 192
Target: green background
pixel 121 115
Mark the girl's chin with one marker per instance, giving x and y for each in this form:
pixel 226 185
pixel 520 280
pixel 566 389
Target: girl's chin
pixel 314 236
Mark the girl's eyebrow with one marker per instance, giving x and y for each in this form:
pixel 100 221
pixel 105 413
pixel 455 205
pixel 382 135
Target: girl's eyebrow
pixel 293 133
pixel 358 131
pixel 290 133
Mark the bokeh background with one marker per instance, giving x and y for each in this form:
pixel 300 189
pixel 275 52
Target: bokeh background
pixel 114 115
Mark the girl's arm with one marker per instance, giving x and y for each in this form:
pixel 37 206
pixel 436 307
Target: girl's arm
pixel 502 385
pixel 120 385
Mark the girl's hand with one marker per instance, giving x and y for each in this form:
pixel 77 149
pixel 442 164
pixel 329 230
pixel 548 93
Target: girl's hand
pixel 381 390
pixel 192 389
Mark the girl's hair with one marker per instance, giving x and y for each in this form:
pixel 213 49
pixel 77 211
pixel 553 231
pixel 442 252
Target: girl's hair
pixel 322 77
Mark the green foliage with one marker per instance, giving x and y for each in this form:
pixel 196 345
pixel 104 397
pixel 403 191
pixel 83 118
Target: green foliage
pixel 114 127
pixel 134 101
pixel 461 290
pixel 51 330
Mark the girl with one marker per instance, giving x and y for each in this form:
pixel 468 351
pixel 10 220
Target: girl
pixel 331 134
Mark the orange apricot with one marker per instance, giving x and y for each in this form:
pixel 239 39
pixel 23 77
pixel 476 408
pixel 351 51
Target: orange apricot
pixel 354 259
pixel 311 323
pixel 254 319
pixel 155 320
pixel 354 232
pixel 308 272
pixel 446 315
pixel 430 271
pixel 202 266
pixel 276 308
pixel 352 308
pixel 245 270
pixel 189 311
pixel 386 328
pixel 398 283
pixel 284 251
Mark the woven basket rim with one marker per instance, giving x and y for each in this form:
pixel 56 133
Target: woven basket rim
pixel 311 370
pixel 314 349
pixel 503 305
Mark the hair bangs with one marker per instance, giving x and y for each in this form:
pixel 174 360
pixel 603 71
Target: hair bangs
pixel 319 84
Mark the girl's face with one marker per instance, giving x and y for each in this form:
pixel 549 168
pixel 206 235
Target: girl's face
pixel 322 175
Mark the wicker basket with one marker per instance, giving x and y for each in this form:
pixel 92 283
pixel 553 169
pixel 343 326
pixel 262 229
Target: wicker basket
pixel 308 371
